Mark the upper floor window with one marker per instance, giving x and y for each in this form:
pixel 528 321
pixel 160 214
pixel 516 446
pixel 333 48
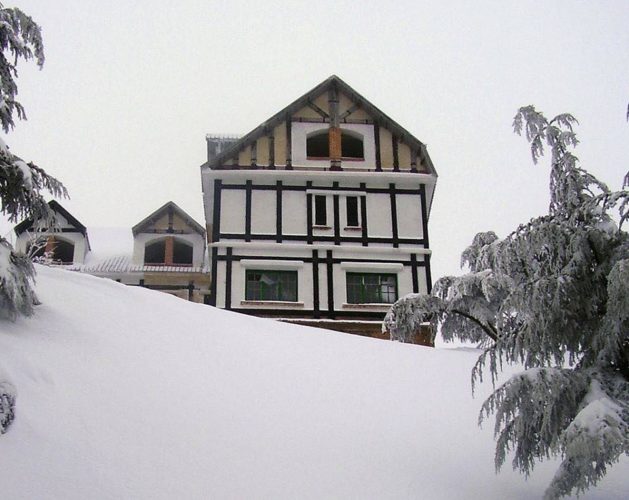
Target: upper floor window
pixel 318 145
pixel 321 212
pixel 352 147
pixel 352 211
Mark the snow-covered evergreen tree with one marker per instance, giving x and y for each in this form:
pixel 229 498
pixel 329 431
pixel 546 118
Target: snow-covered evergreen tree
pixel 554 296
pixel 22 184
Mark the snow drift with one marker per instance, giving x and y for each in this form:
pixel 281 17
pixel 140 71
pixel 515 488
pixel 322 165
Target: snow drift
pixel 127 393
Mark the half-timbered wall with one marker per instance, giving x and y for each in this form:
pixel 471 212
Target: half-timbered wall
pixel 252 212
pixel 329 189
pixel 284 145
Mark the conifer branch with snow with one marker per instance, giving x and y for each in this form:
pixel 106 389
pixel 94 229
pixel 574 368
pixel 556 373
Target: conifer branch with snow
pixel 22 184
pixel 554 296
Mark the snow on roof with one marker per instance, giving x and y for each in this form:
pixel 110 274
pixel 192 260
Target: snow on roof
pixel 123 264
pixel 111 252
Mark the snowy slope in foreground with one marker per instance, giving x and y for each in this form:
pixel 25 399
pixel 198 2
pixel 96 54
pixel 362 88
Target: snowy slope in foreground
pixel 128 393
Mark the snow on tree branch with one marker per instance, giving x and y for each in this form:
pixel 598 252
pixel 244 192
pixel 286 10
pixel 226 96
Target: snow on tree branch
pixel 407 315
pixel 22 185
pixel 554 296
pixel 7 405
pixel 20 37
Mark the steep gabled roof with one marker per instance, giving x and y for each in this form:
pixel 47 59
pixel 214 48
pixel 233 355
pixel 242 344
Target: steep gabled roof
pixel 333 81
pixel 56 207
pixel 164 210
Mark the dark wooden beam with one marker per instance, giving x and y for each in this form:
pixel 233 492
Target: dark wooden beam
pixel 414 160
pixel 289 147
pixel 271 151
pixel 316 108
pixel 254 153
pixel 349 111
pixel 376 135
pixel 396 156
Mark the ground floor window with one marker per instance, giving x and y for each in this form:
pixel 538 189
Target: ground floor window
pixel 371 288
pixel 271 285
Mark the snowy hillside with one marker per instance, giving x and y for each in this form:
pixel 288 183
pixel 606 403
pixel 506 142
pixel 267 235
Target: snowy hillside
pixel 128 393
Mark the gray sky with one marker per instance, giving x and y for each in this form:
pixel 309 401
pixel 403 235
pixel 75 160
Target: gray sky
pixel 129 89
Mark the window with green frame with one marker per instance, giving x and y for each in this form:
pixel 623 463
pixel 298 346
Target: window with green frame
pixel 371 288
pixel 271 285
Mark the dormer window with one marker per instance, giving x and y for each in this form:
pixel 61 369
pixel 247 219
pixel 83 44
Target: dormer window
pixel 60 251
pixel 155 253
pixel 168 252
pixel 318 145
pixel 182 253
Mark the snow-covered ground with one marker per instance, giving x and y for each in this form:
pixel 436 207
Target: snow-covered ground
pixel 127 393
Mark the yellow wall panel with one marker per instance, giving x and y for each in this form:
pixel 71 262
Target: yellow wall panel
pixel 322 102
pixel 404 156
pixel 386 148
pixel 344 103
pixel 161 223
pixel 279 133
pixel 262 151
pixel 180 225
pixel 359 114
pixel 307 112
pixel 244 157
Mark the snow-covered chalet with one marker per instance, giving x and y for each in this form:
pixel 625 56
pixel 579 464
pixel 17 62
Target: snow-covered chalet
pixel 320 214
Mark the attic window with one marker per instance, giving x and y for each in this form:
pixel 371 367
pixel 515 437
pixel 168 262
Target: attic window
pixel 317 145
pixel 61 252
pixel 64 251
pixel 169 252
pixel 352 146
pixel 182 253
pixel 155 253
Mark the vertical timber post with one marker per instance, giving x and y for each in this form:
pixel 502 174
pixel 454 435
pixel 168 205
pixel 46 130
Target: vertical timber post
pixel 335 129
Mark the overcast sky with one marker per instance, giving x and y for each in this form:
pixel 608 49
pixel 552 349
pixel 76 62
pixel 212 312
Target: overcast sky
pixel 129 89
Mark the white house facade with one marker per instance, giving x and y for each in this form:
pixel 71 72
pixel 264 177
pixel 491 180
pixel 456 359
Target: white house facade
pixel 319 213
